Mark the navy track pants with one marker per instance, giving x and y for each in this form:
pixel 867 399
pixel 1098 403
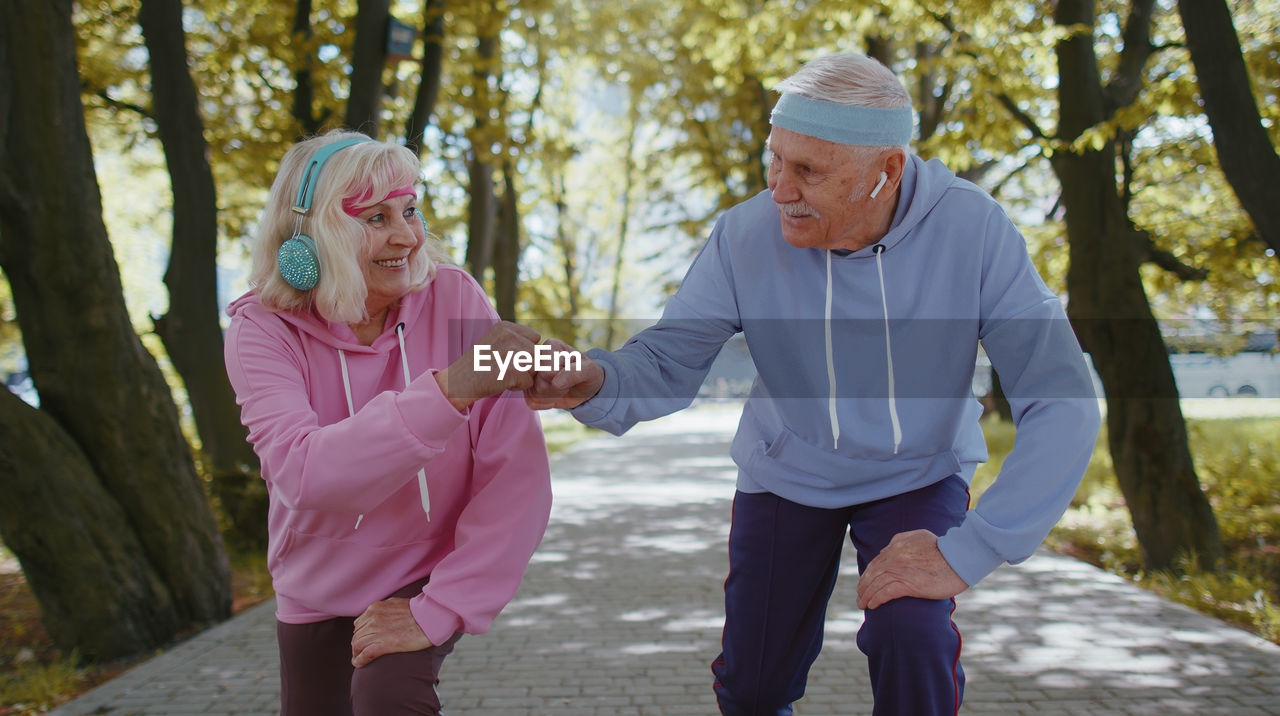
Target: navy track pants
pixel 317 679
pixel 783 562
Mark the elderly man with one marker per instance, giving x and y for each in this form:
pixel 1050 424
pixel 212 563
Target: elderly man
pixel 864 281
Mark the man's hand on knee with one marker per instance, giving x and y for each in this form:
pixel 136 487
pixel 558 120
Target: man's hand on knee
pixel 910 566
pixel 386 627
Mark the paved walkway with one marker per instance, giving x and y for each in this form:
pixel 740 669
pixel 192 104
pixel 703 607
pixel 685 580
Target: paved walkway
pixel 620 614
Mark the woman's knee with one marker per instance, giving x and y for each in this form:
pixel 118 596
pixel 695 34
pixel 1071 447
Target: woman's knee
pixel 396 684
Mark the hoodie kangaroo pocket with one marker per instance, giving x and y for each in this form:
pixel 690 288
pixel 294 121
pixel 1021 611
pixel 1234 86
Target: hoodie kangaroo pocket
pixel 790 459
pixel 342 578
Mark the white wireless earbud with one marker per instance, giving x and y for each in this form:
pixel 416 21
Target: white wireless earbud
pixel 883 178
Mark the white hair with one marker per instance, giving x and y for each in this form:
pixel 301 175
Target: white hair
pixel 848 78
pixel 852 79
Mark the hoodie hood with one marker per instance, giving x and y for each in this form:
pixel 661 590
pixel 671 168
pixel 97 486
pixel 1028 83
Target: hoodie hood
pixel 923 185
pixel 337 334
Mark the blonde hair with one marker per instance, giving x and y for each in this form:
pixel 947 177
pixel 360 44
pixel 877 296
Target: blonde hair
pixel 361 173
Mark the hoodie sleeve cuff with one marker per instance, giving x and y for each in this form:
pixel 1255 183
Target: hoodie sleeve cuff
pixel 438 623
pixel 428 414
pixel 596 409
pixel 966 552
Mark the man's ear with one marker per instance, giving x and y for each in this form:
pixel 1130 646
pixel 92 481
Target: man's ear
pixel 884 177
pixel 892 164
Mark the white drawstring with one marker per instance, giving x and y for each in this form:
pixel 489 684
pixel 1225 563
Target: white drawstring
pixel 831 367
pixel 351 408
pixel 888 352
pixel 422 473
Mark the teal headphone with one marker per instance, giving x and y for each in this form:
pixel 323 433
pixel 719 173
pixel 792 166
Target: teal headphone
pixel 297 259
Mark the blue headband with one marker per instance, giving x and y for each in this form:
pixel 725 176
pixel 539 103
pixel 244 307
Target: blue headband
pixel 842 123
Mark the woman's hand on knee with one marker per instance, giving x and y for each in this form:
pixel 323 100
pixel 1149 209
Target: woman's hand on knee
pixel 386 627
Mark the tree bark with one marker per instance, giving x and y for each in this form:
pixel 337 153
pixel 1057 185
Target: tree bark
pixel 1111 314
pixel 368 57
pixel 931 101
pixel 304 84
pixel 506 264
pixel 94 377
pixel 481 217
pixel 1245 152
pixel 999 402
pixel 191 331
pixel 482 209
pixel 624 222
pixel 432 67
pixel 97 591
pixel 572 281
pixel 758 180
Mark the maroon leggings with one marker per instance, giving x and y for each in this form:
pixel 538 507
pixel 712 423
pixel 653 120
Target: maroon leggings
pixel 317 679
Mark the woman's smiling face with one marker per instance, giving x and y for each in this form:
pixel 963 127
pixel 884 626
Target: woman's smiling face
pixel 393 234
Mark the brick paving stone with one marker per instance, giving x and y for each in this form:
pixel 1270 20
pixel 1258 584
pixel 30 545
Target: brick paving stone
pixel 620 614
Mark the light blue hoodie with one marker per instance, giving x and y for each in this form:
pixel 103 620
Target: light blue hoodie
pixel 865 362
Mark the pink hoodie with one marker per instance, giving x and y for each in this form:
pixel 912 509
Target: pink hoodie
pixel 487 472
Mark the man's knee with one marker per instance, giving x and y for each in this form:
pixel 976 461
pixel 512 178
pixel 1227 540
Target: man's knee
pixel 914 624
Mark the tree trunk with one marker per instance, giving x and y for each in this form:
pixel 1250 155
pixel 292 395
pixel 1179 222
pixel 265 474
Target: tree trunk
pixel 881 47
pixel 96 589
pixel 429 76
pixel 628 181
pixel 932 104
pixel 304 85
pixel 481 216
pixel 998 401
pixel 572 281
pixel 94 377
pixel 191 331
pixel 482 209
pixel 506 264
pixel 1109 309
pixel 758 180
pixel 368 56
pixel 1245 151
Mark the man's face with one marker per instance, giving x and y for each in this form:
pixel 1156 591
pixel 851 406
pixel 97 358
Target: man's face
pixel 821 192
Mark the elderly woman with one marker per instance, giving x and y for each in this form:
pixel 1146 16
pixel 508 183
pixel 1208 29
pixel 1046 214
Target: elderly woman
pixel 406 493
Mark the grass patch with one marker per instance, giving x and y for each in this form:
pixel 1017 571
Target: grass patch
pixel 561 431
pixel 1238 463
pixel 34 676
pixel 34 688
pixel 250 581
